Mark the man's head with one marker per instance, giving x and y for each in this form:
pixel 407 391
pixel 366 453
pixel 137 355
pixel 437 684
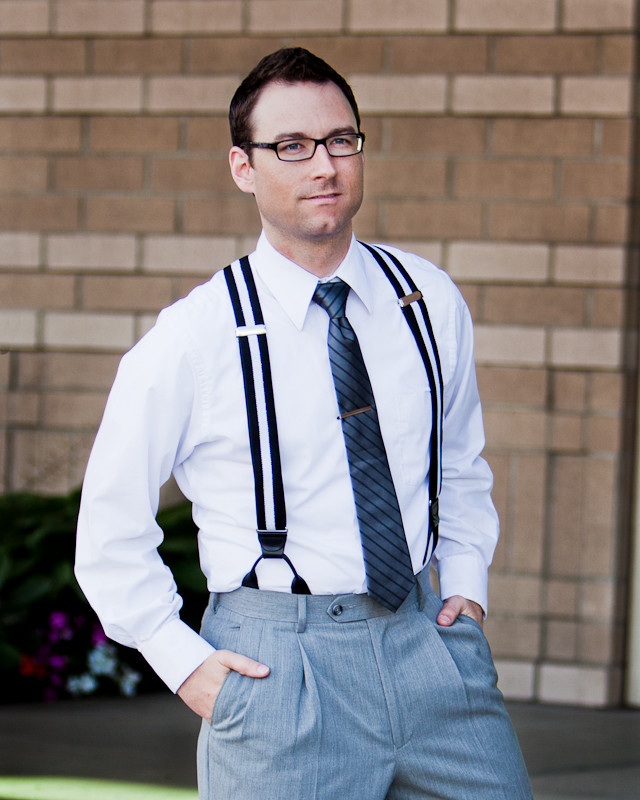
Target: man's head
pixel 288 65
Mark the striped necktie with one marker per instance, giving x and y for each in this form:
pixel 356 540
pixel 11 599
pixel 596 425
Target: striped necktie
pixel 386 555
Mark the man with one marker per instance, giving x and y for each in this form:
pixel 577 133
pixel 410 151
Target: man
pixel 359 683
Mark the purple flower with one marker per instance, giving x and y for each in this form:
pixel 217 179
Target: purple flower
pixel 98 637
pixel 57 662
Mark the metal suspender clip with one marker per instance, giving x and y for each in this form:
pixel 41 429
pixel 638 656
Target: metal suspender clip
pixel 249 330
pixel 410 298
pixel 434 514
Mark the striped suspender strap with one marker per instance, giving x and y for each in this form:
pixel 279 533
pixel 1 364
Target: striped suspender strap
pixel 415 312
pixel 261 416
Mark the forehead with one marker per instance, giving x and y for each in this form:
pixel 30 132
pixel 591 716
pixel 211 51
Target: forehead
pixel 314 109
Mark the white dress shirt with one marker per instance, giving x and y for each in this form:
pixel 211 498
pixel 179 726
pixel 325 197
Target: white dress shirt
pixel 177 406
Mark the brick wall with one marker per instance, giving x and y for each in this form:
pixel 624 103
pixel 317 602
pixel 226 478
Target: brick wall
pixel 499 144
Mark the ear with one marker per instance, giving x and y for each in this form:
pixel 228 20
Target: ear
pixel 241 170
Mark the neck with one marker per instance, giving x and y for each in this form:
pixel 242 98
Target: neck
pixel 319 258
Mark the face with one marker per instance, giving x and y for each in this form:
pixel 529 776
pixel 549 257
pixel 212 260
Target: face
pixel 306 204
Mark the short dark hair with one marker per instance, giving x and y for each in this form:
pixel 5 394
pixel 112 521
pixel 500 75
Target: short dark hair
pixel 287 65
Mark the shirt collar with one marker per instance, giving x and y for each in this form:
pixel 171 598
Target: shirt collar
pixel 293 287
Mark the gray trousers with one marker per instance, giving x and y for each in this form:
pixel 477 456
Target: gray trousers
pixel 360 704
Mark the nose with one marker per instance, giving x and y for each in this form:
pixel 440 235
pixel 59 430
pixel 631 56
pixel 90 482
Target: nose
pixel 322 162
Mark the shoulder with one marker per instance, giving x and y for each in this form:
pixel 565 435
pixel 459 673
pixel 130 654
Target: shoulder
pixel 432 281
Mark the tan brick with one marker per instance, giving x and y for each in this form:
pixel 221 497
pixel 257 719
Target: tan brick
pixel 23 408
pixel 587 348
pixel 125 293
pixel 618 54
pixel 23 174
pixel 569 391
pixel 567 516
pixel 398 15
pixel 442 135
pixel 598 600
pixel 18 328
pixel 36 291
pixel 521 429
pixel 608 309
pixel 604 435
pixel 294 16
pixel 49 462
pixel 514 594
pixel 399 93
pixel 72 410
pixel 137 56
pixel 201 255
pixel 68 371
pixel 493 261
pixel 44 134
pixel 529 514
pixel 535 305
pixel 240 54
pixel 562 598
pixel 39 213
pixel 586 179
pixel 209 135
pixel 589 265
pixel 595 96
pixel 97 94
pixel 221 215
pixel 130 214
pixel 432 219
pixel 192 174
pixel 500 94
pixel 606 392
pixel 89 17
pixel 24 17
pixel 42 56
pixel 505 15
pixel 178 17
pixel 516 680
pixel 98 173
pixel 134 134
pixel 566 433
pixel 533 222
pixel 510 345
pixel 561 640
pixel 553 55
pixel 611 223
pixel 91 251
pixel 616 137
pixel 499 385
pixel 194 94
pixel 88 331
pixel 596 15
pixel 504 178
pixel 513 637
pixel 544 137
pixel 446 54
pixel 18 95
pixel 405 178
pixel 19 250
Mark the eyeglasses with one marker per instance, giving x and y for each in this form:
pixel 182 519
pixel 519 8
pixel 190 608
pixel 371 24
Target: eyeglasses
pixel 338 145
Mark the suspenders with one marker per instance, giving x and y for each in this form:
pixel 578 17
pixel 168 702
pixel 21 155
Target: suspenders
pixel 263 434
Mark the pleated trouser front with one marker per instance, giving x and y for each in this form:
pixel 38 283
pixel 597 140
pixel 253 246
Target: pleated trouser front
pixel 360 704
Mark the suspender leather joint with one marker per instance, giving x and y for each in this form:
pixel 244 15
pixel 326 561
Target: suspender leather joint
pixel 272 543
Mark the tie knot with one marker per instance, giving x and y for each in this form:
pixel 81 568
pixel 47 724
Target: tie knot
pixel 332 297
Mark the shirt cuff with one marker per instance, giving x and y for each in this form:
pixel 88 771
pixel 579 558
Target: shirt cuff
pixel 466 575
pixel 175 652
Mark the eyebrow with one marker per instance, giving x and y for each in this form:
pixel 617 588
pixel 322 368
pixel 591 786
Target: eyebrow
pixel 299 135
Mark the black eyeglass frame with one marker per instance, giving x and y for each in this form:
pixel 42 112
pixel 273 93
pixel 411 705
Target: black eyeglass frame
pixel 275 145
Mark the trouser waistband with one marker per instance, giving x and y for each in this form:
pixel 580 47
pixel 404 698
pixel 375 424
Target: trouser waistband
pixel 303 609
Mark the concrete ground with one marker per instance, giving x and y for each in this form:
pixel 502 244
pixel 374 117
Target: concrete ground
pixel 571 752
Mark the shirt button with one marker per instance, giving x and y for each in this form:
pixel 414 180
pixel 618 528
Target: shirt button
pixel 336 610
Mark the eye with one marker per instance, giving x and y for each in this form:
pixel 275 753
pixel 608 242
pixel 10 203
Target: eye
pixel 293 146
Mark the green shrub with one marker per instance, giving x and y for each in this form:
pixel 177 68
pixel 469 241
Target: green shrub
pixel 51 643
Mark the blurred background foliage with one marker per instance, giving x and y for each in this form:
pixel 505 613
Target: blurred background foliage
pixel 51 643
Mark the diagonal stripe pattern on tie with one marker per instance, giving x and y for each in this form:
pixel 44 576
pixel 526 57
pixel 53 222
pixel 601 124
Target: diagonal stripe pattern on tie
pixel 388 564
